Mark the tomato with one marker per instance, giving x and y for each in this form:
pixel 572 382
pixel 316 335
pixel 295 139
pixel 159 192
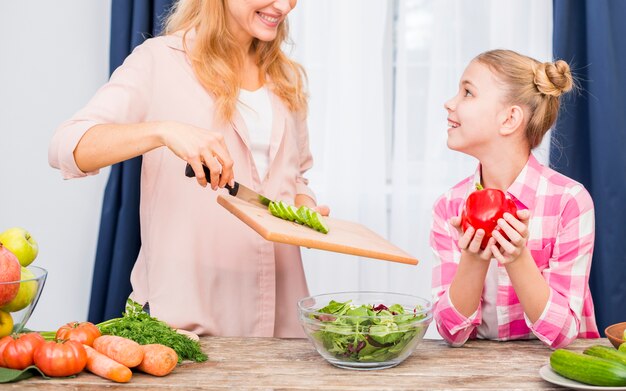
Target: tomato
pixel 83 332
pixel 3 343
pixel 483 208
pixel 18 352
pixel 60 358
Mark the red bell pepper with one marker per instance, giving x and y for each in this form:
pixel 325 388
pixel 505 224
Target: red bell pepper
pixel 483 208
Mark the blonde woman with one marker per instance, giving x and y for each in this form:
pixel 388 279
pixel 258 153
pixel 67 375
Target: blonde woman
pixel 532 278
pixel 217 90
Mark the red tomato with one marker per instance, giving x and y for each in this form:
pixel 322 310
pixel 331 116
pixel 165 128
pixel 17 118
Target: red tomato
pixel 83 332
pixel 18 352
pixel 3 343
pixel 60 358
pixel 483 208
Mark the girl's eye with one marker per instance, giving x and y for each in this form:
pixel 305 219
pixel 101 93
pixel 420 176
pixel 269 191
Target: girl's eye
pixel 468 93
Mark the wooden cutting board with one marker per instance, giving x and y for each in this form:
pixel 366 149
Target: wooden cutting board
pixel 343 236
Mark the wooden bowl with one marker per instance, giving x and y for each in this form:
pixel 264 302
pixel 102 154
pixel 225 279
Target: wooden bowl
pixel 615 333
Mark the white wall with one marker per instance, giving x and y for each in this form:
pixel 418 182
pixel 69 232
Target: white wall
pixel 54 55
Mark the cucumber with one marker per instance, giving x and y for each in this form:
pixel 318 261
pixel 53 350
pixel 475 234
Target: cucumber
pixel 302 215
pixel 294 211
pixel 588 369
pixel 273 209
pixel 282 209
pixel 606 352
pixel 318 223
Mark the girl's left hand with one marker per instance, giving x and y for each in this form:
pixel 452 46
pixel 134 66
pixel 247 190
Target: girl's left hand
pixel 509 250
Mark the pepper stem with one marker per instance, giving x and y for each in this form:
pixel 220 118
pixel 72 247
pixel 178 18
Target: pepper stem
pixel 479 186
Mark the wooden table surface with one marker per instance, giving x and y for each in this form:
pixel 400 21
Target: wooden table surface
pixel 293 364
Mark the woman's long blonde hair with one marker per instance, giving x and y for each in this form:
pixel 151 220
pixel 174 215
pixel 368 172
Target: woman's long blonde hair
pixel 536 85
pixel 217 59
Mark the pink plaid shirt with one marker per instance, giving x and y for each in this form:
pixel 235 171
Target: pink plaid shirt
pixel 561 243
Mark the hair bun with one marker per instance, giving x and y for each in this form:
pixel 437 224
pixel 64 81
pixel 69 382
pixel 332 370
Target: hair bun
pixel 553 79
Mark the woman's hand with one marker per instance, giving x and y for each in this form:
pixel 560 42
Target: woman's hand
pixel 471 239
pixel 324 210
pixel 509 250
pixel 303 199
pixel 199 146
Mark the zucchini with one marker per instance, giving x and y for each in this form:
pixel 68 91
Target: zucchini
pixel 588 369
pixel 606 352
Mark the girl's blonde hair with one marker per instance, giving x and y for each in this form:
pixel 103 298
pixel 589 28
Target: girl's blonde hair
pixel 538 86
pixel 217 59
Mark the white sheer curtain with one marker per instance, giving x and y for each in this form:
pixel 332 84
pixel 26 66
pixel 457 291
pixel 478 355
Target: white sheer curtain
pixel 342 44
pixel 379 73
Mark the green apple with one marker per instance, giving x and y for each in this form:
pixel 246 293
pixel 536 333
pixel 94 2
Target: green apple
pixel 21 243
pixel 25 294
pixel 6 324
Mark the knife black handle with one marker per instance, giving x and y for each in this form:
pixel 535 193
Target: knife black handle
pixel 190 173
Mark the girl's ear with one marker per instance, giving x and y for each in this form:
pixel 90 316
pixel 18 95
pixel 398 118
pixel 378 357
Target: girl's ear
pixel 513 120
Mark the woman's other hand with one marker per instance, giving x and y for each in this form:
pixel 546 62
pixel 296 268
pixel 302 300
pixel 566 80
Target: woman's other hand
pixel 324 210
pixel 199 146
pixel 303 199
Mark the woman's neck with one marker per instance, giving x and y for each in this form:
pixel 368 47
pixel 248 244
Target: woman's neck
pixel 250 78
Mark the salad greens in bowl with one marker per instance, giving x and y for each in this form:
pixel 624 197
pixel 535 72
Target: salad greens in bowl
pixel 365 330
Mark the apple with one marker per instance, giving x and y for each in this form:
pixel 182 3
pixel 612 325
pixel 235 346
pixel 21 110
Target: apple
pixel 6 324
pixel 21 243
pixel 25 293
pixel 9 272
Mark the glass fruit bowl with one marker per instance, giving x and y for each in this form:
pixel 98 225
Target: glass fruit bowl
pixel 365 330
pixel 15 313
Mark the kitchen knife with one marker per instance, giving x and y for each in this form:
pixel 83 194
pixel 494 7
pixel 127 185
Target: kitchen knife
pixel 238 190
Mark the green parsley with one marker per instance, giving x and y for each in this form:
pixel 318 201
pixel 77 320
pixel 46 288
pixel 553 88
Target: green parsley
pixel 138 325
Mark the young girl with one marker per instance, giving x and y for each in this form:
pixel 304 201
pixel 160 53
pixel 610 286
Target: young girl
pixel 533 282
pixel 215 90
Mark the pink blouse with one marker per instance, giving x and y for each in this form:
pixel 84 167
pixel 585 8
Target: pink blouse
pixel 199 267
pixel 561 243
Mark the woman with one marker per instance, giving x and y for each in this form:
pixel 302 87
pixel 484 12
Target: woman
pixel 217 90
pixel 532 278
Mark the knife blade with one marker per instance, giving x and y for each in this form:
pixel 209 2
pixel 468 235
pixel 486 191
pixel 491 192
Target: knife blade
pixel 238 190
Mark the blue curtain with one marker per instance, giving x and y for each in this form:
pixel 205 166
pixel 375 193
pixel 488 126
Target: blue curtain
pixel 590 136
pixel 132 21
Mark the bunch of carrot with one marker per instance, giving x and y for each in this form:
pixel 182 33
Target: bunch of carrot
pixel 111 357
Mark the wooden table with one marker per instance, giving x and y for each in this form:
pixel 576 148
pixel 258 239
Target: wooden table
pixel 293 364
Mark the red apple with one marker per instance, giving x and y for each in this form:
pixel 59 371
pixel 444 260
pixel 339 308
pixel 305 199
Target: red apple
pixel 10 270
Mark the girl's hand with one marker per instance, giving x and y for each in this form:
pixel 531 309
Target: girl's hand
pixel 470 240
pixel 199 146
pixel 509 250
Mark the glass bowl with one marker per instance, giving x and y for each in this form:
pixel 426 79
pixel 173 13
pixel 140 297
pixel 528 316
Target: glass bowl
pixel 15 314
pixel 365 330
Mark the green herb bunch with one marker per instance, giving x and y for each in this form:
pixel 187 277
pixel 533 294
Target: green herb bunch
pixel 138 325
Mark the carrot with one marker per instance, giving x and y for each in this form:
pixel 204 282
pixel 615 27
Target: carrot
pixel 103 366
pixel 123 350
pixel 158 360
